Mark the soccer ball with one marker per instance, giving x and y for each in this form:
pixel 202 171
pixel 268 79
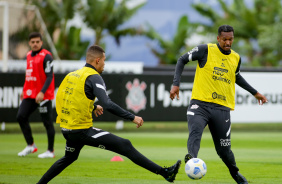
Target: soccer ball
pixel 195 168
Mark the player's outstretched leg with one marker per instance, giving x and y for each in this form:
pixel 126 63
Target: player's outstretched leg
pixel 170 173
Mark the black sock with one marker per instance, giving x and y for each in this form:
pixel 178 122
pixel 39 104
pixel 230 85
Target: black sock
pixel 163 172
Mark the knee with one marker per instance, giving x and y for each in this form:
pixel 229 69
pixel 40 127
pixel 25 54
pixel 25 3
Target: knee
pixel 21 118
pixel 71 158
pixel 49 127
pixel 224 153
pixel 67 160
pixel 126 145
pixel 220 153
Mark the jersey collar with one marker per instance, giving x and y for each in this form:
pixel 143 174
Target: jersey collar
pixel 90 66
pixel 34 53
pixel 223 51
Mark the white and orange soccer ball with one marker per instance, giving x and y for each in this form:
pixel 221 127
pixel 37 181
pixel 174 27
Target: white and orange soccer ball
pixel 195 168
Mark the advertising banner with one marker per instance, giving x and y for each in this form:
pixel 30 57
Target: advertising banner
pixel 148 96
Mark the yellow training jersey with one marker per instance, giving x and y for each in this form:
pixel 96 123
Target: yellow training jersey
pixel 74 109
pixel 215 82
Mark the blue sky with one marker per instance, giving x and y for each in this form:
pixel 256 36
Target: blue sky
pixel 163 15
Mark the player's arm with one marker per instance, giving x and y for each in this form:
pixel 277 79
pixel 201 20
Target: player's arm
pixel 99 91
pixel 240 81
pixel 198 53
pixel 48 69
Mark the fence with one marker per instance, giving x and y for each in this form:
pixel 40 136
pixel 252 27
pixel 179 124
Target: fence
pixel 147 95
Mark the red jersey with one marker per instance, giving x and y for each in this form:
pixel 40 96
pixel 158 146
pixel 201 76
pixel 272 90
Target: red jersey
pixel 35 76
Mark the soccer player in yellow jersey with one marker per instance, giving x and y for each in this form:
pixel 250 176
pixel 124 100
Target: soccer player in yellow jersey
pixel 213 96
pixel 75 104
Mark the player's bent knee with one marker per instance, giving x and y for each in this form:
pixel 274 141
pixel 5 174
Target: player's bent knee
pixel 21 119
pixel 126 145
pixel 71 158
pixel 224 153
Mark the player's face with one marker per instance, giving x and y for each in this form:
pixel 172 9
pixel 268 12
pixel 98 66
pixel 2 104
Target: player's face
pixel 225 40
pixel 35 43
pixel 101 64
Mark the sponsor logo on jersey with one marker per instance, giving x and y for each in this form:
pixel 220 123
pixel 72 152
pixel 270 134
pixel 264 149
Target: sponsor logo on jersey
pixel 28 92
pixel 69 91
pixel 42 54
pixel 218 74
pixel 31 78
pixel 30 63
pixel 65 111
pixel 215 78
pixel 219 71
pixel 136 99
pixel 64 120
pixel 218 96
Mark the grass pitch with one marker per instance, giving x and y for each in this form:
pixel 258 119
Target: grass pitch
pixel 258 155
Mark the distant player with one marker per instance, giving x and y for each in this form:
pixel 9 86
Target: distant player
pixel 38 92
pixel 213 96
pixel 74 106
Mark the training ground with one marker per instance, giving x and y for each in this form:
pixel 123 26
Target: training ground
pixel 257 148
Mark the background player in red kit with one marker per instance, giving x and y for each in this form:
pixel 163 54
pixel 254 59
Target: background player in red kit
pixel 38 91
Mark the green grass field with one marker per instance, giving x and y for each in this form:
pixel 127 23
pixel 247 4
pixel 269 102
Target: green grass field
pixel 258 155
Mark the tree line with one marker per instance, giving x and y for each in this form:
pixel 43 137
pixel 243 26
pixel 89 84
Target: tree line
pixel 257 28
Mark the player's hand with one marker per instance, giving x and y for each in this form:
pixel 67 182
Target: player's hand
pixel 98 111
pixel 39 97
pixel 138 121
pixel 174 92
pixel 21 96
pixel 261 98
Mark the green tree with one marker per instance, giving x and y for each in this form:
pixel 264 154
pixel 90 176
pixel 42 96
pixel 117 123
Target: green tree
pixel 71 47
pixel 105 17
pixel 250 24
pixel 170 50
pixel 55 13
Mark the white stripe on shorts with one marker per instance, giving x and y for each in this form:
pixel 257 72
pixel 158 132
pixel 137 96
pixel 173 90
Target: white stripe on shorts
pixel 100 134
pixel 228 132
pixel 43 102
pixel 190 113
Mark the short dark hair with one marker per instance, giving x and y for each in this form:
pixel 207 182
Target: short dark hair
pixel 96 48
pixel 34 35
pixel 225 28
pixel 93 52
